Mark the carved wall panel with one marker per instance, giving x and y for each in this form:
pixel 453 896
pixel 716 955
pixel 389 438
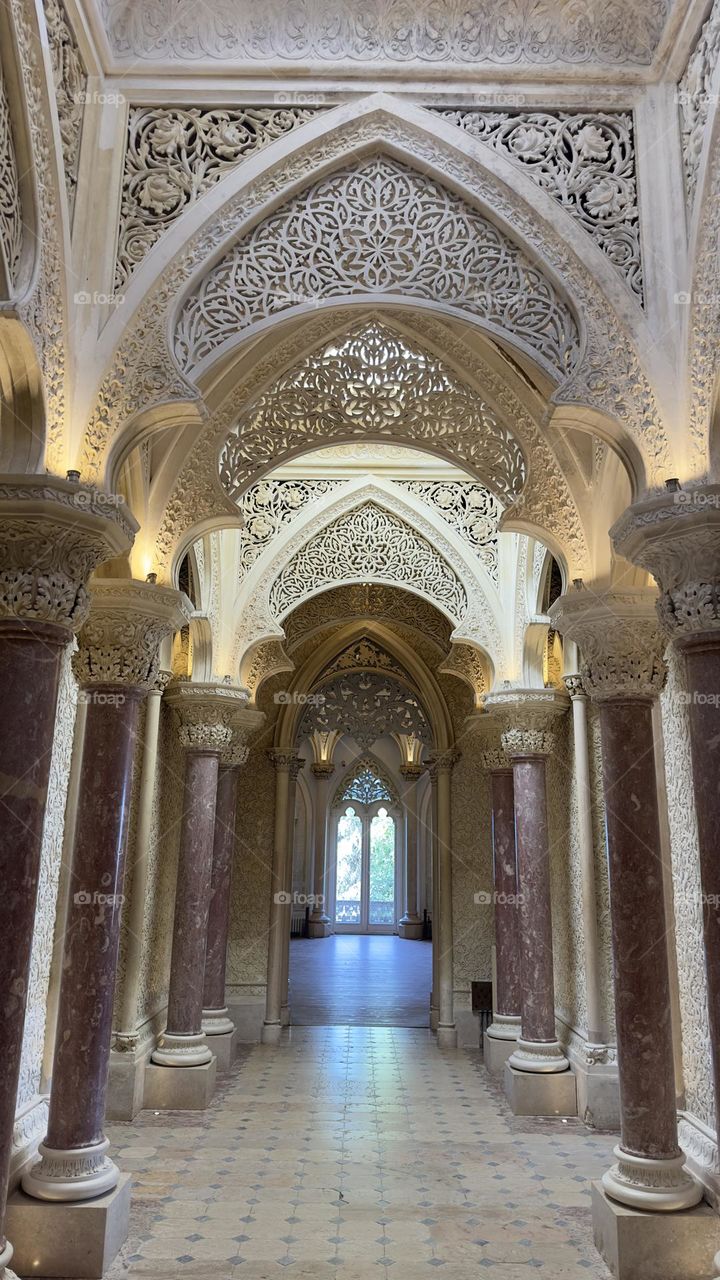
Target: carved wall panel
pixel 696 94
pixel 368 543
pixel 374 380
pixel 269 505
pixel 10 209
pixel 70 79
pixel 378 227
pixel 471 510
pixel 366 705
pixel 174 154
pixel 584 160
pixel 431 32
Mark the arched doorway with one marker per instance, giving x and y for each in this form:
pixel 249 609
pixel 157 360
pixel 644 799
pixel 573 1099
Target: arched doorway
pixel 366 853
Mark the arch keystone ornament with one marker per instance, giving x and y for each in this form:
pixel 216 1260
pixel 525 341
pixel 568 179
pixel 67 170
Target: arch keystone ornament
pixel 676 537
pixel 116 665
pixel 55 533
pixel 206 713
pixel 526 717
pixel 623 671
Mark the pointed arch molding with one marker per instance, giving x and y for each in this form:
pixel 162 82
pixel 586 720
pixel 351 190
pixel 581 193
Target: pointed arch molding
pixel 608 374
pixel 545 503
pixel 369 532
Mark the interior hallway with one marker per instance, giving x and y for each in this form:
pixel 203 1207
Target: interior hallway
pixel 356 1152
pixel 361 980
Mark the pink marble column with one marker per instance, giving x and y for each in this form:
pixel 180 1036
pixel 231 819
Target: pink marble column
pixel 205 712
pixel 623 671
pixel 114 679
pixel 54 534
pixel 508 949
pixel 676 537
pixel 215 1020
pixel 527 740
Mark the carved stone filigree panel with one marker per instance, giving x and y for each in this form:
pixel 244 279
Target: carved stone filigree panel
pixel 267 659
pixel 584 160
pixel 374 380
pixel 471 510
pixel 269 505
pixel 70 79
pixel 366 600
pixel 369 543
pixel 174 154
pixel 364 655
pixel 367 782
pixel 696 95
pixel 366 705
pixel 431 32
pixel 466 663
pixel 11 224
pixel 378 226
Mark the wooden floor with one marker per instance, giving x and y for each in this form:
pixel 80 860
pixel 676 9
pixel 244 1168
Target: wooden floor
pixel 360 980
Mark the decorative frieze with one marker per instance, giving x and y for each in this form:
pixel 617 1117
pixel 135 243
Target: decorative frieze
pixel 584 160
pixel 175 154
pixel 429 243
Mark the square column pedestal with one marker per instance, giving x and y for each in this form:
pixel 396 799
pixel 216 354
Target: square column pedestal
pixel 496 1053
pixel 536 1093
pixel 179 1088
pixel 62 1238
pixel 637 1245
pixel 224 1047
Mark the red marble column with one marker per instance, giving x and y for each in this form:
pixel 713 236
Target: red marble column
pixel 206 713
pixel 54 534
pixel 508 950
pixel 623 671
pixel 122 635
pixel 215 1020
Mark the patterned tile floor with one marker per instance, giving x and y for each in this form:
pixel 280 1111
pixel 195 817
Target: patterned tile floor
pixel 394 990
pixel 353 1153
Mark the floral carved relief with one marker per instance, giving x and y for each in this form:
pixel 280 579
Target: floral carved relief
pixel 70 79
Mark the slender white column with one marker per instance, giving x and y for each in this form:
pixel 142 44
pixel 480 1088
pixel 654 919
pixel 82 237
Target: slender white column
pixel 295 768
pixel 596 1032
pixel 319 921
pixel 446 1031
pixel 435 993
pixel 410 924
pixel 272 1026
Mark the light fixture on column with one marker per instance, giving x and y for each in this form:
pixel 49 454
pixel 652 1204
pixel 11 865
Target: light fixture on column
pixel 673 485
pixel 151 578
pixel 73 476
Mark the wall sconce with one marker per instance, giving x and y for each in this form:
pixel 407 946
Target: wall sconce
pixel 151 578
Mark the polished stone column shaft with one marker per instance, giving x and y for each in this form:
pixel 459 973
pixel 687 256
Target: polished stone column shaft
pixel 215 1020
pixel 272 1025
pixel 295 768
pixel 319 920
pixel 74 1163
pixel 508 948
pixel 410 924
pixel 435 992
pixel 623 671
pixel 446 1030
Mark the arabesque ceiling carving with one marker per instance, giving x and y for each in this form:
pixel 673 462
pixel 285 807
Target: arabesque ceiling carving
pixel 367 600
pixel 366 705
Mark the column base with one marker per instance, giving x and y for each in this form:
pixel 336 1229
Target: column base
pixel 658 1185
pixel 598 1091
pixel 533 1094
pixel 271 1032
pixel 637 1245
pixel 224 1048
pixel 447 1035
pixel 189 1089
pixel 81 1173
pixel 505 1026
pixel 539 1057
pixel 79 1239
pixel 5 1260
pixel 319 928
pixel 215 1022
pixel 496 1053
pixel 410 927
pixel 181 1051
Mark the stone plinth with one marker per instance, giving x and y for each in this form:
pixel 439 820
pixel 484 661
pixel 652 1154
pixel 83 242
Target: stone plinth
pixel 531 1094
pixel 60 1239
pixel 170 1089
pixel 654 1246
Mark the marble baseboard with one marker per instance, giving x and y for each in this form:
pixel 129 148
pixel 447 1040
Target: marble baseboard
pixel 637 1245
pixel 78 1239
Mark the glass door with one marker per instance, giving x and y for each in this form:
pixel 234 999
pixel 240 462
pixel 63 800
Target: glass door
pixel 365 870
pixel 349 870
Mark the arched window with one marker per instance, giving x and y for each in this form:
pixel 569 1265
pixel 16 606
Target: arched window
pixel 366 847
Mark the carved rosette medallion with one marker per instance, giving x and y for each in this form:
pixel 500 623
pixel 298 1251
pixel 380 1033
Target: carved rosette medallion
pixel 120 642
pixel 525 716
pixel 676 537
pixel 55 534
pixel 620 641
pixel 206 713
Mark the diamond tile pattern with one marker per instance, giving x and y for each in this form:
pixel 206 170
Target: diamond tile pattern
pixel 355 1152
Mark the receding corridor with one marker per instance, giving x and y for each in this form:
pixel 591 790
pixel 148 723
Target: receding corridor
pixel 357 1152
pixel 360 980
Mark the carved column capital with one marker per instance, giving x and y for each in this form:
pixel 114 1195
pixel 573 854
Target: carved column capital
pixel 442 762
pixel 55 533
pixel 411 772
pixel 120 641
pixel 322 769
pixel 525 717
pixel 286 761
pixel 206 713
pixel 246 721
pixel 620 641
pixel 676 537
pixel 496 761
pixel 574 685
